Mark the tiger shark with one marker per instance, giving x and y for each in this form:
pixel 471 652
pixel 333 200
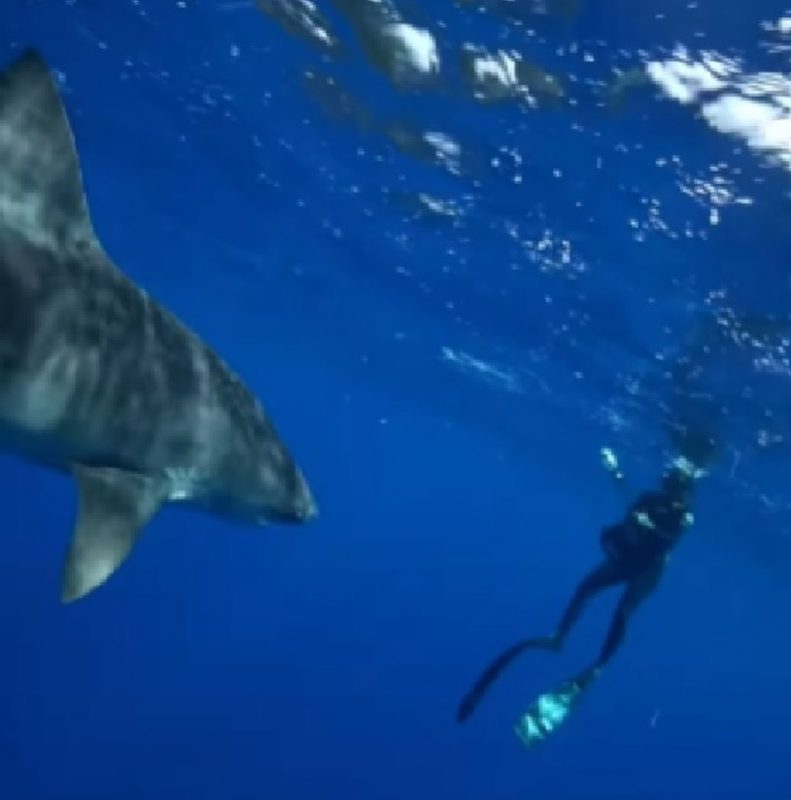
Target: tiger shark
pixel 97 379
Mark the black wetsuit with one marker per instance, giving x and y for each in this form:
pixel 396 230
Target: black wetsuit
pixel 652 527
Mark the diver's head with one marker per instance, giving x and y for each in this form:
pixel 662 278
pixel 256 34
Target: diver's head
pixel 678 481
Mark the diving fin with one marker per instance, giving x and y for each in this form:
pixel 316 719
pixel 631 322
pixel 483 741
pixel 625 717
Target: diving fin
pixel 470 701
pixel 553 708
pixel 114 505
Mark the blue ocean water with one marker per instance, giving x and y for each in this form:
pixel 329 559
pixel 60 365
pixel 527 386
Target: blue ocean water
pixel 448 306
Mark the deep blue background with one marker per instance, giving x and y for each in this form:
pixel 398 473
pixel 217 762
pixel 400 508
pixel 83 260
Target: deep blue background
pixel 458 507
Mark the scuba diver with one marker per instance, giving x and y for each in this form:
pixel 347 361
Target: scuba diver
pixel 636 552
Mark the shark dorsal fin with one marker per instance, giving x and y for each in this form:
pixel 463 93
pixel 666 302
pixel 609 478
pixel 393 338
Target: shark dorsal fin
pixel 114 505
pixel 41 192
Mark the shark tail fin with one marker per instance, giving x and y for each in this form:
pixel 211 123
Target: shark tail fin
pixel 41 191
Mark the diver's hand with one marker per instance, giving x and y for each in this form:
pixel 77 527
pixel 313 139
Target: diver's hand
pixel 610 462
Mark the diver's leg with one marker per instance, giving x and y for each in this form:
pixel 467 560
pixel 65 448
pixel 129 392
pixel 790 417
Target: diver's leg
pixel 553 708
pixel 637 590
pixel 605 575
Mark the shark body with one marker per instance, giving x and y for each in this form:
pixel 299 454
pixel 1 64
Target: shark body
pixel 100 381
